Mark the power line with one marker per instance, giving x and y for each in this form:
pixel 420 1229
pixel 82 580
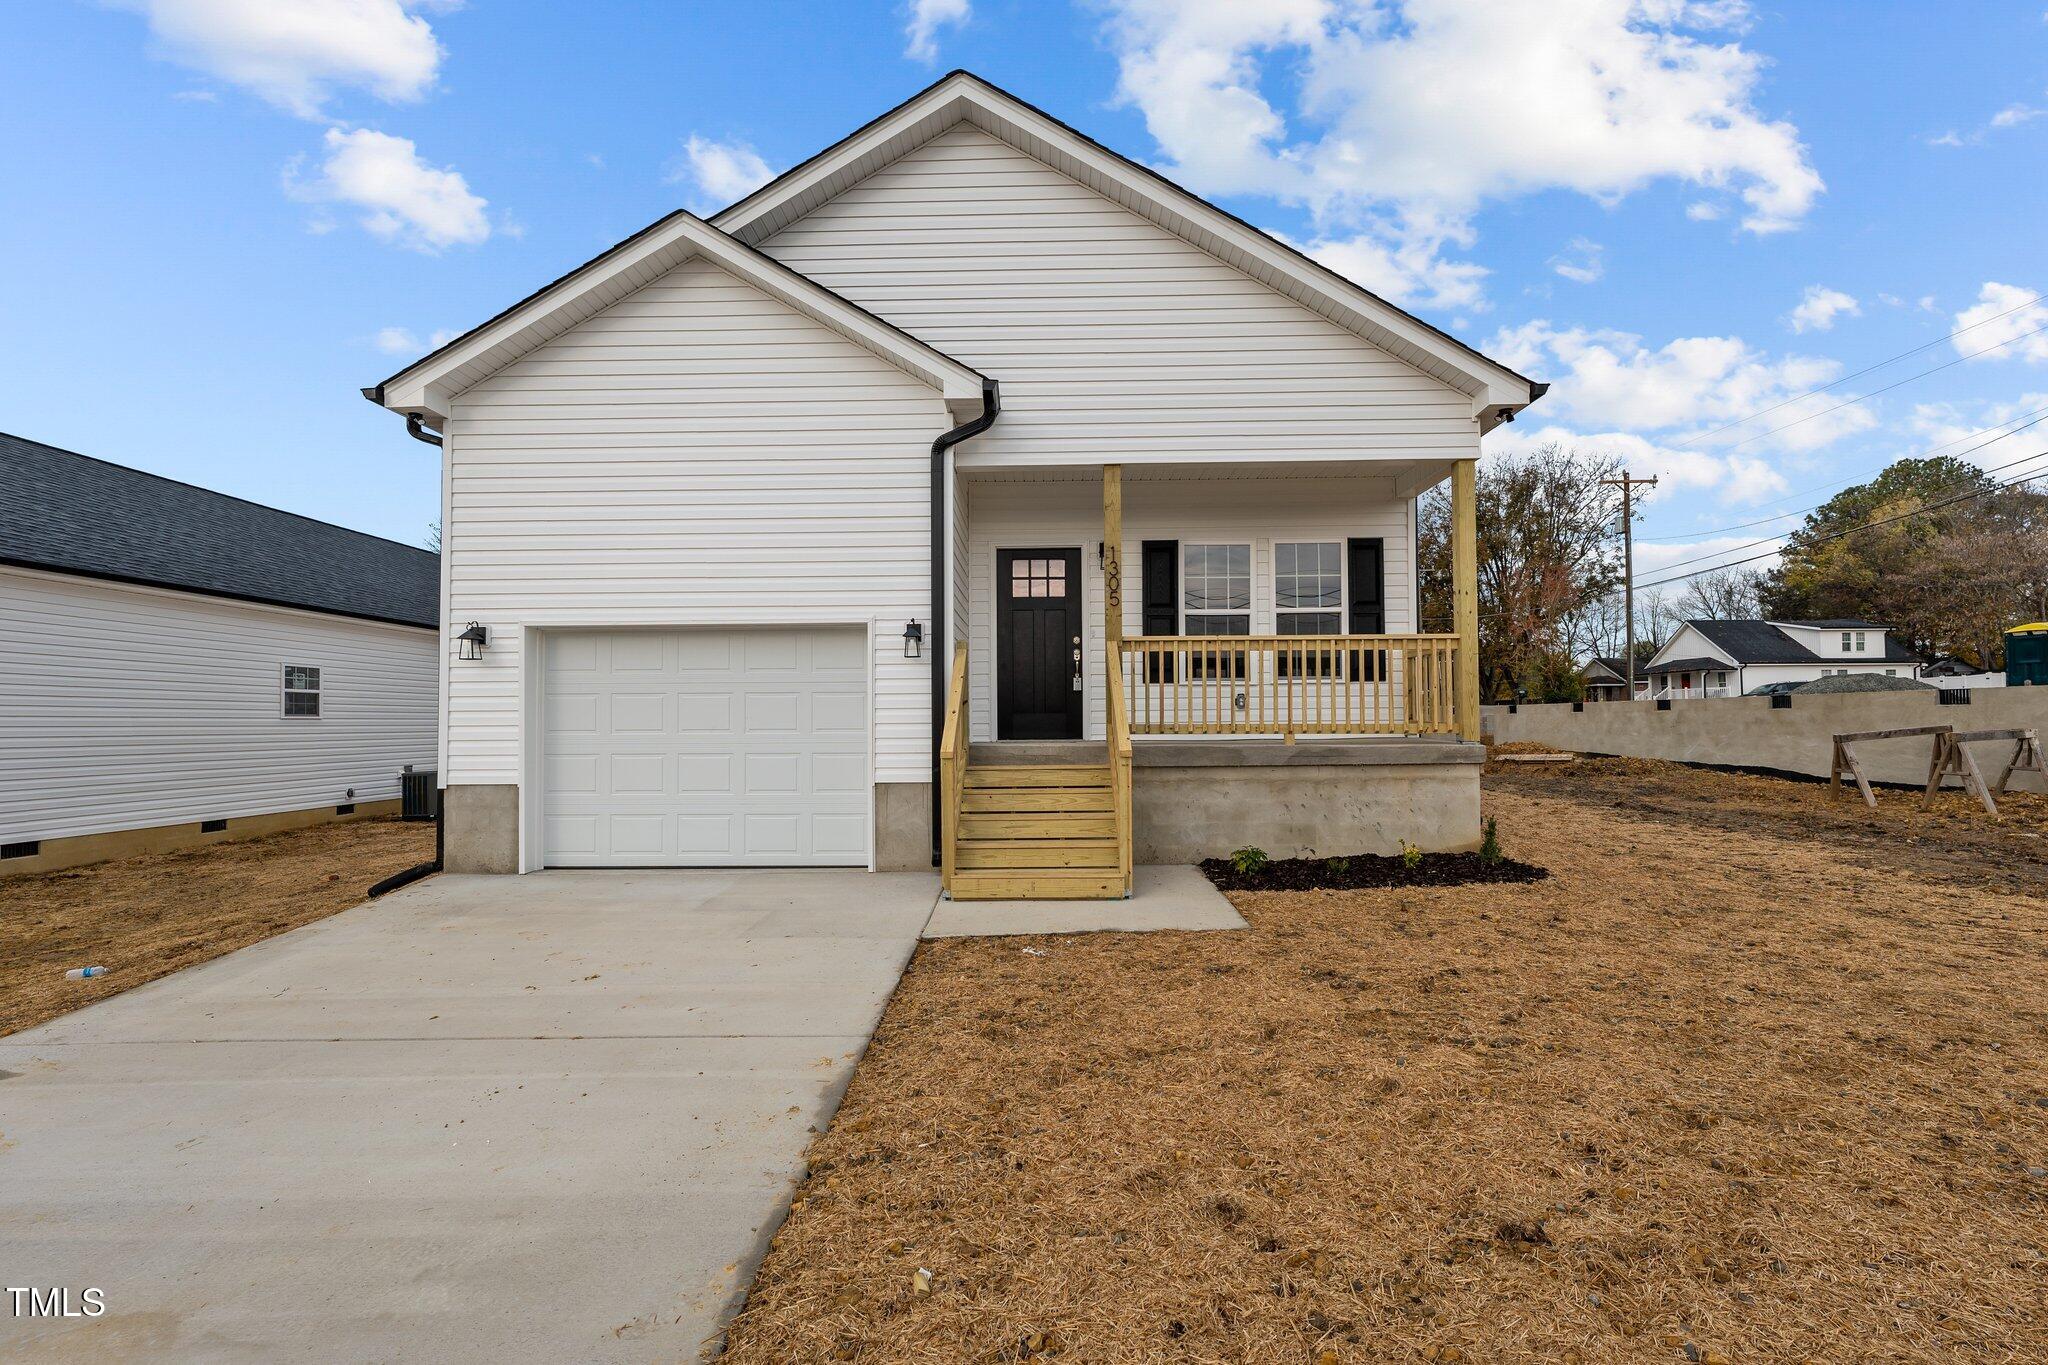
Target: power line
pixel 1873 525
pixel 1716 554
pixel 1867 369
pixel 1851 402
pixel 1836 483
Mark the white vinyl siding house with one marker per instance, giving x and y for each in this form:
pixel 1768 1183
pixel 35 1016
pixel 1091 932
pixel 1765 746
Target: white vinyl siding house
pixel 1733 658
pixel 1114 339
pixel 833 409
pixel 137 707
pixel 179 666
pixel 696 454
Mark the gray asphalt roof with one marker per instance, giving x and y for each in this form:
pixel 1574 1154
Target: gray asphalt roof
pixel 1760 642
pixel 74 514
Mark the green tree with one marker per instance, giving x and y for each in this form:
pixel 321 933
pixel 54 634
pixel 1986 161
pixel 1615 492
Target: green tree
pixel 1933 548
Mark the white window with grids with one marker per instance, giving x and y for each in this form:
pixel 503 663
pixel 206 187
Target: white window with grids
pixel 301 691
pixel 1216 599
pixel 1308 598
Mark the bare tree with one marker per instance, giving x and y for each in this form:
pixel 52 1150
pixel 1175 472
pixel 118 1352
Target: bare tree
pixel 1732 594
pixel 1546 554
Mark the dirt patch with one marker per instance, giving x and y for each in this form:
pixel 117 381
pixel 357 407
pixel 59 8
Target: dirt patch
pixel 1365 871
pixel 142 918
pixel 1955 842
pixel 1732 1090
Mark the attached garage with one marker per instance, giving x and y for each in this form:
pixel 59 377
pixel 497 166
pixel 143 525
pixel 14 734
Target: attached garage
pixel 714 747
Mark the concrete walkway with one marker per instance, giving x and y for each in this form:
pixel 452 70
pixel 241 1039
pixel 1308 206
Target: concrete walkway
pixel 493 1119
pixel 1162 897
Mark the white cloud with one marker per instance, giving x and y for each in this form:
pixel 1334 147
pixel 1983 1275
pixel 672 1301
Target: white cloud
pixel 1406 273
pixel 921 28
pixel 1580 261
pixel 1685 387
pixel 722 172
pixel 1654 558
pixel 2013 115
pixel 1818 308
pixel 1680 472
pixel 1987 435
pixel 2003 316
pixel 196 96
pixel 1703 211
pixel 403 200
pixel 1394 147
pixel 402 341
pixel 297 54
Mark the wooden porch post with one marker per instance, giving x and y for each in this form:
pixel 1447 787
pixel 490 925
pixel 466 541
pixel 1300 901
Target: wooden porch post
pixel 1113 561
pixel 1465 592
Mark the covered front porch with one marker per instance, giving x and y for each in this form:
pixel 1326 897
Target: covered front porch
pixel 1131 647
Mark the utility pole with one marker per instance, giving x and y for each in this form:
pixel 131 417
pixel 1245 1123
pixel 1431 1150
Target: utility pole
pixel 1627 483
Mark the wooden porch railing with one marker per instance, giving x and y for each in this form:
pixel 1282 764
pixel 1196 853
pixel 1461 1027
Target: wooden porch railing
pixel 1119 729
pixel 952 765
pixel 1290 684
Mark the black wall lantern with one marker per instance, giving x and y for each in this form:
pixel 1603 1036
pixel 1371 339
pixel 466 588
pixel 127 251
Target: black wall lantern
pixel 472 641
pixel 913 640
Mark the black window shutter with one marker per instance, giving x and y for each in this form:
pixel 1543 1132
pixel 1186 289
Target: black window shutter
pixel 1367 568
pixel 1161 599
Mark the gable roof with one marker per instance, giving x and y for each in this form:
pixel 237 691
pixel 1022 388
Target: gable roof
pixel 73 514
pixel 1763 642
pixel 960 96
pixel 1611 665
pixel 426 385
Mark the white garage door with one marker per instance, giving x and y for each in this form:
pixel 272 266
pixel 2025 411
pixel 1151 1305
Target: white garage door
pixel 706 747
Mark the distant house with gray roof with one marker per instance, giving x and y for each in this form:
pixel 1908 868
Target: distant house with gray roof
pixel 1734 658
pixel 183 666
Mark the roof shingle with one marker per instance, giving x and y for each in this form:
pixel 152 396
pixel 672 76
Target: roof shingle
pixel 71 513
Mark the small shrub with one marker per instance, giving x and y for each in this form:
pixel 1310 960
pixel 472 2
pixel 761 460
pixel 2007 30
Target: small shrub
pixel 1489 843
pixel 1337 866
pixel 1411 856
pixel 1249 861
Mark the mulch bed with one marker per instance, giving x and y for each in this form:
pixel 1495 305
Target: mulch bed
pixel 1368 871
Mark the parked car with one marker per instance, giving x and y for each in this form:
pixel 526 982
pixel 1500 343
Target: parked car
pixel 1776 689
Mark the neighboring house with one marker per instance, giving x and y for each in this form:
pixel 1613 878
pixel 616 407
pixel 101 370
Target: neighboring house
pixel 181 667
pixel 967 442
pixel 1606 679
pixel 1733 658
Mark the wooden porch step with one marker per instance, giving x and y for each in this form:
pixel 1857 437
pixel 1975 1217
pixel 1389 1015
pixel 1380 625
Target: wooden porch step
pixel 1037 775
pixel 1051 824
pixel 1025 800
pixel 1037 885
pixel 1035 853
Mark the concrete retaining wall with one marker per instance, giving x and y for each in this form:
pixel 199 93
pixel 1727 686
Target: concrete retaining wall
pixel 1747 732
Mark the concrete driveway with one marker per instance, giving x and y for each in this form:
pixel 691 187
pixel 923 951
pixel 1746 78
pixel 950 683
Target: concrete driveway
pixel 541 1118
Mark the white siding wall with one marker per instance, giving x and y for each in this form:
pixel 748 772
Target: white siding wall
pixel 126 707
pixel 695 454
pixel 1112 338
pixel 1257 512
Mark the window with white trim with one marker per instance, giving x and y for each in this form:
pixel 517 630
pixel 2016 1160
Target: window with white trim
pixel 1846 637
pixel 1308 594
pixel 1859 642
pixel 301 691
pixel 1216 599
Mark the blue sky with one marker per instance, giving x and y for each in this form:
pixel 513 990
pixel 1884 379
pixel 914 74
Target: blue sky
pixel 224 217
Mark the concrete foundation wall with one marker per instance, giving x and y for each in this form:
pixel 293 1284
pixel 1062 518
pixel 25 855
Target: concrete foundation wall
pixel 480 827
pixel 903 826
pixel 1747 732
pixel 482 821
pixel 1195 800
pixel 83 849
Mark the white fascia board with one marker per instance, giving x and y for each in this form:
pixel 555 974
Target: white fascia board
pixel 1495 390
pixel 428 385
pixel 1706 648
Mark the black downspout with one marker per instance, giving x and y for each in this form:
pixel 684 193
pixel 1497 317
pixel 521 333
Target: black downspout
pixel 991 404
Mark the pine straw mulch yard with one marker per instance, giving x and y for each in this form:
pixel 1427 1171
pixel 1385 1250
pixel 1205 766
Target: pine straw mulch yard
pixel 149 916
pixel 1709 1095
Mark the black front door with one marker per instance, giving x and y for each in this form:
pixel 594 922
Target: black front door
pixel 1038 644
